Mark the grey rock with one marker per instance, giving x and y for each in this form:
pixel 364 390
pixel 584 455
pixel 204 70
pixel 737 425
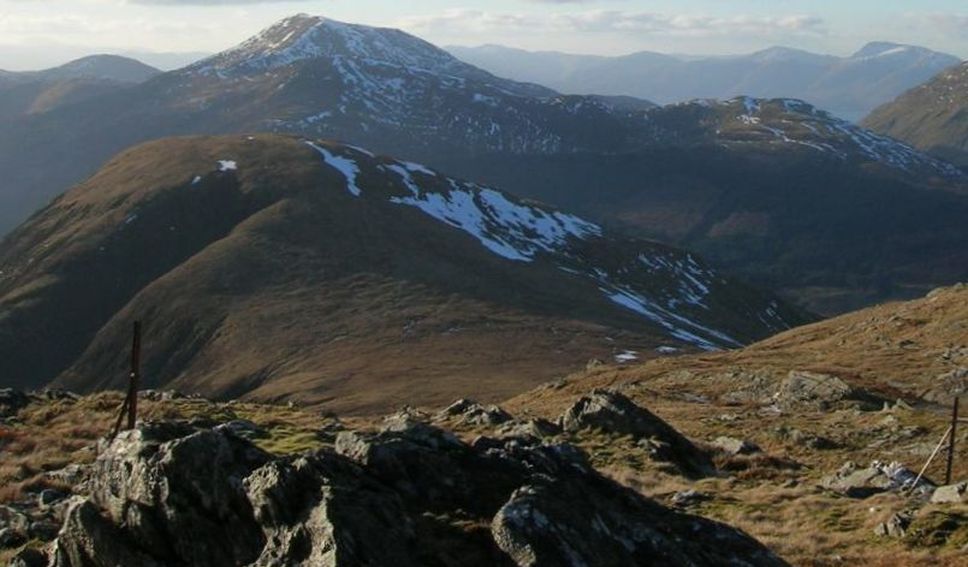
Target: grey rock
pixel 948 385
pixel 179 493
pixel 804 439
pixel 73 474
pixel 534 428
pixel 563 522
pixel 614 413
pixel 473 413
pixel 161 395
pixel 168 494
pixel 244 428
pixel 733 446
pixel 12 518
pixel 801 388
pixel 856 482
pixel 89 539
pixel 685 498
pixel 896 526
pixel 951 494
pixel 320 509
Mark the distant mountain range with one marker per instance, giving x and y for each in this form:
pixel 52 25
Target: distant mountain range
pixel 33 92
pixel 932 116
pixel 277 267
pixel 775 191
pixel 849 87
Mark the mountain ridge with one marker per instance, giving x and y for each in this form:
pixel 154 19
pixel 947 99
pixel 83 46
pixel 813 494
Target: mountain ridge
pixel 346 82
pixel 850 86
pixel 356 266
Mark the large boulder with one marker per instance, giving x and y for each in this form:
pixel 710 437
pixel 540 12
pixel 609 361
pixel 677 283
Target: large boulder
pixel 812 389
pixel 472 413
pixel 567 522
pixel 179 491
pixel 411 494
pixel 951 494
pixel 317 510
pixel 614 413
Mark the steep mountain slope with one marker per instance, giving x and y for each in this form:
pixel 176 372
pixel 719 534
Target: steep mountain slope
pixel 273 268
pixel 850 87
pixel 932 116
pixel 786 195
pixel 620 160
pixel 32 92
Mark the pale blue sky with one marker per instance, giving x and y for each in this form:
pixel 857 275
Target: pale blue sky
pixel 37 32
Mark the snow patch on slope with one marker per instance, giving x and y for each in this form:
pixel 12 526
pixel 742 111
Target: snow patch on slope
pixel 666 287
pixel 511 230
pixel 344 165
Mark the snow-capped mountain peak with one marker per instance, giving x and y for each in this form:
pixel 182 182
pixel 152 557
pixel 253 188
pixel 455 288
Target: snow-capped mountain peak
pixel 304 37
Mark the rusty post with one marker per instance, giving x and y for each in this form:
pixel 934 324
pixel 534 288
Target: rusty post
pixel 135 376
pixel 951 441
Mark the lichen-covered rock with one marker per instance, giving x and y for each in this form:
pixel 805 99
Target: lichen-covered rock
pixel 614 413
pixel 861 482
pixel 178 492
pixel 951 494
pixel 89 539
pixel 812 389
pixel 314 510
pixel 564 522
pixel 733 446
pixel 895 526
pixel 533 428
pixel 473 413
pixel 409 495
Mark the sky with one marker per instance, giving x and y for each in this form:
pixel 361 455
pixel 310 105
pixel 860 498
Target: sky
pixel 41 33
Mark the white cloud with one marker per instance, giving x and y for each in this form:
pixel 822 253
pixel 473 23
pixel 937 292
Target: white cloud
pixel 455 21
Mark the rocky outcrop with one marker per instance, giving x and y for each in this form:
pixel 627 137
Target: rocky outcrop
pixel 733 446
pixel 614 413
pixel 812 389
pixel 473 413
pixel 408 495
pixel 895 526
pixel 860 482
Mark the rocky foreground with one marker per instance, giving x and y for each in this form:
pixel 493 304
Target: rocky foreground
pixel 405 493
pixel 768 464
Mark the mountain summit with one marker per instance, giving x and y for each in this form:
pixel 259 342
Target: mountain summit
pixel 303 38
